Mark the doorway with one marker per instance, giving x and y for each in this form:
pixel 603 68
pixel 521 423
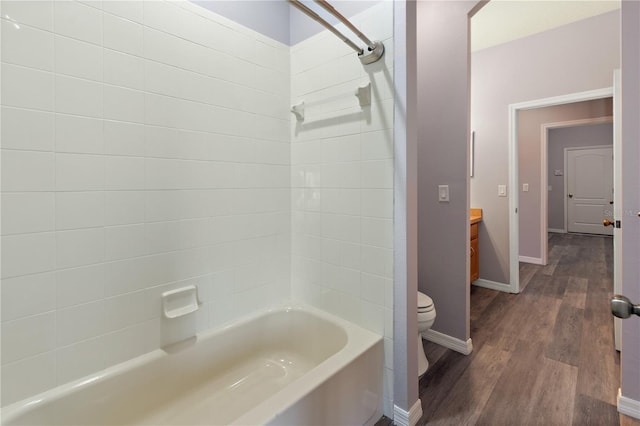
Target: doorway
pixel 497 77
pixel 514 109
pixel 555 137
pixel 514 179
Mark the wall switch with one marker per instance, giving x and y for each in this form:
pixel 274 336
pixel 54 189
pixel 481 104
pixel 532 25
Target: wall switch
pixel 558 173
pixel 525 187
pixel 502 190
pixel 549 188
pixel 443 193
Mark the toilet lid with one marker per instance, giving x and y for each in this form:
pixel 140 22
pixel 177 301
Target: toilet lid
pixel 424 301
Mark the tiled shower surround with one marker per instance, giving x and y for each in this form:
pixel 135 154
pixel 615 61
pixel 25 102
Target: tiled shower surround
pixel 342 181
pixel 149 145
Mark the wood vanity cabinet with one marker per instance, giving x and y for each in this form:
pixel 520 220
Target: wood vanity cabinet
pixel 475 260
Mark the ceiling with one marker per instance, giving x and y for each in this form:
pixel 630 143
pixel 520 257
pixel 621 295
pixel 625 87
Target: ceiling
pixel 501 21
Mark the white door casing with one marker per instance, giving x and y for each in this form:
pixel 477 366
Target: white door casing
pixel 617 199
pixel 514 238
pixel 589 187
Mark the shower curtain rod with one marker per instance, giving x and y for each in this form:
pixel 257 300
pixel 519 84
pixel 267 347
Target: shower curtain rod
pixel 374 49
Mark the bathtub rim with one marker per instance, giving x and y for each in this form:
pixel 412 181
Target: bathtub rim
pixel 359 341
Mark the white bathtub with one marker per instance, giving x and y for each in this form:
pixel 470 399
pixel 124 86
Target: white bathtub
pixel 296 366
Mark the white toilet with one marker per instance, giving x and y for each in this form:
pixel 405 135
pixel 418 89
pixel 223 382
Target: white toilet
pixel 426 317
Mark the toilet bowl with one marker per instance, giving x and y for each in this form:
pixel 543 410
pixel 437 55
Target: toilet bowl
pixel 426 317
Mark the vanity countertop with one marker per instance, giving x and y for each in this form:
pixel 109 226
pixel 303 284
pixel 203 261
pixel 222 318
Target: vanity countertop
pixel 476 216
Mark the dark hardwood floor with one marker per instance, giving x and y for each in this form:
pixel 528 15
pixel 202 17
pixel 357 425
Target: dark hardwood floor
pixel 542 357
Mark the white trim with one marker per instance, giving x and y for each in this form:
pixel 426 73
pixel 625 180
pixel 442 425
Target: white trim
pixel 617 199
pixel 403 418
pixel 557 231
pixel 493 285
pixel 514 237
pixel 514 221
pixel 544 196
pixel 628 406
pixel 465 348
pixel 534 260
pixel 606 92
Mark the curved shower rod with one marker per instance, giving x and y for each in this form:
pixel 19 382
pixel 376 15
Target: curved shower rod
pixel 374 49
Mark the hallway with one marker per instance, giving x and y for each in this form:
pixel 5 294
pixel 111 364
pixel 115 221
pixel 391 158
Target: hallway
pixel 545 356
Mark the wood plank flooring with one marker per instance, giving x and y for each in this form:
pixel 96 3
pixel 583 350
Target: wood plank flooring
pixel 542 357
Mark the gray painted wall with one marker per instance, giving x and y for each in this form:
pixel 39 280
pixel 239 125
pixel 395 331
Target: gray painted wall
pixel 630 355
pixel 405 209
pixel 529 166
pixel 573 58
pixel 279 20
pixel 443 135
pixel 559 139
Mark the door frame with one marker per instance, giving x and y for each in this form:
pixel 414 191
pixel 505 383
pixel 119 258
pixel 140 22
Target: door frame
pixel 514 232
pixel 544 181
pixel 617 199
pixel 566 177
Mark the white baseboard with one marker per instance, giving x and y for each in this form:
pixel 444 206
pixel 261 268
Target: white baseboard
pixel 527 259
pixel 403 418
pixel 557 231
pixel 465 348
pixel 493 285
pixel 628 406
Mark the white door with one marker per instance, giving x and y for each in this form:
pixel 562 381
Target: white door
pixel 589 190
pixel 617 199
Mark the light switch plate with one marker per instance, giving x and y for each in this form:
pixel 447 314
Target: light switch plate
pixel 558 173
pixel 525 187
pixel 502 190
pixel 443 193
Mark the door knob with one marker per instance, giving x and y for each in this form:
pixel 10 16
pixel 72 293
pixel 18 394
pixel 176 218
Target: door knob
pixel 570 195
pixel 607 222
pixel 622 307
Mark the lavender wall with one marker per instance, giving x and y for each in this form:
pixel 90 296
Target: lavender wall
pixel 443 105
pixel 270 17
pixel 630 360
pixel 529 167
pixel 279 20
pixel 303 27
pixel 559 139
pixel 405 209
pixel 574 58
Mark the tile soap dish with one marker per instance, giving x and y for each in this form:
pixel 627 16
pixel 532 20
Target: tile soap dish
pixel 180 302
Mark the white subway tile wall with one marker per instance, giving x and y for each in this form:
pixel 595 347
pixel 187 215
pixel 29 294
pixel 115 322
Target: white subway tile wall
pixel 145 146
pixel 149 145
pixel 342 181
